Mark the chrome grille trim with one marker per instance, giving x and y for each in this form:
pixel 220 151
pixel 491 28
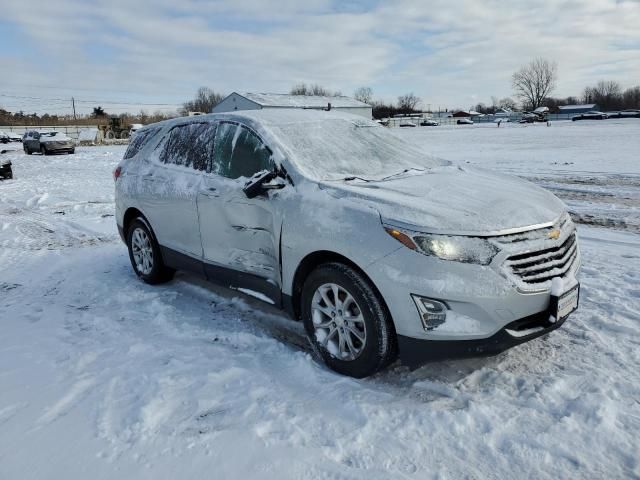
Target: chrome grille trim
pixel 533 259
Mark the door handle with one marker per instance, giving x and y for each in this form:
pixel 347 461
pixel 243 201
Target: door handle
pixel 210 192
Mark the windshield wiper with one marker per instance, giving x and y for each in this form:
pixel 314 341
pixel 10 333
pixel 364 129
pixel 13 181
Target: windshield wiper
pixel 403 171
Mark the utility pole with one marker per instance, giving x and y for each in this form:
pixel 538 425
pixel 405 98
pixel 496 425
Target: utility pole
pixel 73 105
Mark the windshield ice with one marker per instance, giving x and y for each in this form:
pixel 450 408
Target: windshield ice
pixel 335 149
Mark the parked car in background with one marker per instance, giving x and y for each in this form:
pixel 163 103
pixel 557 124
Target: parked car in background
pixel 5 167
pixel 592 115
pixel 429 122
pixel 47 143
pixel 632 113
pixel 624 114
pixel 8 136
pixel 14 137
pixel 407 123
pixel 377 247
pixel 464 121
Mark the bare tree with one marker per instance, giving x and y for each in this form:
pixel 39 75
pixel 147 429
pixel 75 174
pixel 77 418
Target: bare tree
pixel 204 101
pixel 313 89
pixel 408 102
pixel 363 94
pixel 507 103
pixel 298 89
pixel 607 94
pixel 535 81
pixel 631 97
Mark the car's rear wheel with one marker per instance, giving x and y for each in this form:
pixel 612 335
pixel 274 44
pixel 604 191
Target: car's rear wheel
pixel 346 321
pixel 144 253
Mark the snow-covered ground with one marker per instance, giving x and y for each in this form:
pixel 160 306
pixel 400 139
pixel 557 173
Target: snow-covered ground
pixel 102 376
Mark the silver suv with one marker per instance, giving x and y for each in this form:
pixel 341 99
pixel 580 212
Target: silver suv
pixel 378 248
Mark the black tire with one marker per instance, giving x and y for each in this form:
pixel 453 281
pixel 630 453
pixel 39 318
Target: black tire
pixel 43 150
pixel 159 273
pixel 71 152
pixel 380 347
pixel 27 151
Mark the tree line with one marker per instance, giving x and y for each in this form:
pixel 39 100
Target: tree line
pixel 532 86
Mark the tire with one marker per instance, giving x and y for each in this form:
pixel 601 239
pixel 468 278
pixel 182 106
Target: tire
pixel 372 319
pixel 43 150
pixel 27 151
pixel 148 263
pixel 72 151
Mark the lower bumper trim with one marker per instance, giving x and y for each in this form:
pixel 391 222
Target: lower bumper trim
pixel 415 352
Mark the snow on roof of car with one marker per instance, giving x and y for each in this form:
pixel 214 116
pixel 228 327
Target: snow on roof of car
pixel 589 106
pixel 301 101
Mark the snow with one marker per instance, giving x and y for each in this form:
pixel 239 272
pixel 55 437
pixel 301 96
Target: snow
pixel 54 137
pixel 332 147
pixel 303 101
pixel 254 294
pixel 103 376
pixel 591 166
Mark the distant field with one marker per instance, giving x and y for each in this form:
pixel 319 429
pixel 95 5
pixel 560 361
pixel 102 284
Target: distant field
pixel 592 166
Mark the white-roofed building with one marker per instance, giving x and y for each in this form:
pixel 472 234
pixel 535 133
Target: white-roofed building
pixel 258 101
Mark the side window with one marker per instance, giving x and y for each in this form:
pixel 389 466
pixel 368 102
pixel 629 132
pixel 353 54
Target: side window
pixel 190 145
pixel 238 152
pixel 138 140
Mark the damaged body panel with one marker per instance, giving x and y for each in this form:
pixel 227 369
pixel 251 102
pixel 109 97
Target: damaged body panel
pixel 459 258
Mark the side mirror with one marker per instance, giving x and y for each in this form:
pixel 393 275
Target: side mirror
pixel 261 182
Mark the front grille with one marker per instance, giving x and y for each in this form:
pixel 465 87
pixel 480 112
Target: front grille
pixel 537 268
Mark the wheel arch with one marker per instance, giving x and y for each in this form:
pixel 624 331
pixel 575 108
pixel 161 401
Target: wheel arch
pixel 130 215
pixel 310 263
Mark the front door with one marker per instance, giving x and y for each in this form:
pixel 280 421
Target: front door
pixel 240 236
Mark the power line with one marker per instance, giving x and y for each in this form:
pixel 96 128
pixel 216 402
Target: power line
pixel 103 102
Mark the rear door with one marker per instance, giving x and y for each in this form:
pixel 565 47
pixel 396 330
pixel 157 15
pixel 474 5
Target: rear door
pixel 172 185
pixel 240 236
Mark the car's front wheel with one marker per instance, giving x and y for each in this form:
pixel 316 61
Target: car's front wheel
pixel 346 321
pixel 144 253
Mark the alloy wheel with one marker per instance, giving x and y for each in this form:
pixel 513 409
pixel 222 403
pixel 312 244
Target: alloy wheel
pixel 338 322
pixel 142 251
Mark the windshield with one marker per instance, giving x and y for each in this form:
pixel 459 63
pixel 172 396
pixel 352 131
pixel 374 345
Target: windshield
pixel 338 149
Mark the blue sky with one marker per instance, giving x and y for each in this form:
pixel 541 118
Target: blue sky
pixel 155 54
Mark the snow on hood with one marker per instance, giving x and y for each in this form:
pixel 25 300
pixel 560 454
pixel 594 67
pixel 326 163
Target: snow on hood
pixel 54 137
pixel 456 200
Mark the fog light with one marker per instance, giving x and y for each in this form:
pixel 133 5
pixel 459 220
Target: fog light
pixel 432 312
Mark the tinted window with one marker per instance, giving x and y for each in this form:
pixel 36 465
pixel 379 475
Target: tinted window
pixel 190 145
pixel 239 152
pixel 138 140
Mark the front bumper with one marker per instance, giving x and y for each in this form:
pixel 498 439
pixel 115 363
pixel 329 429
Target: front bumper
pixel 415 352
pixel 55 149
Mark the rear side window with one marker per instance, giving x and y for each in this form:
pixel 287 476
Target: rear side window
pixel 138 141
pixel 239 152
pixel 190 145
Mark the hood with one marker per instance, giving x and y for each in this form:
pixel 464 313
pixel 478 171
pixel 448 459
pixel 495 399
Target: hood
pixel 55 138
pixel 457 200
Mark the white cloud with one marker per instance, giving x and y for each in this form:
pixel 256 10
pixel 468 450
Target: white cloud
pixel 450 54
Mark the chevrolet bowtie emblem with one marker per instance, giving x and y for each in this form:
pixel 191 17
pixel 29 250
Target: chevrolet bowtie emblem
pixel 553 234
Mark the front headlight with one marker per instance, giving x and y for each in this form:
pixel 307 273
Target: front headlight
pixel 447 247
